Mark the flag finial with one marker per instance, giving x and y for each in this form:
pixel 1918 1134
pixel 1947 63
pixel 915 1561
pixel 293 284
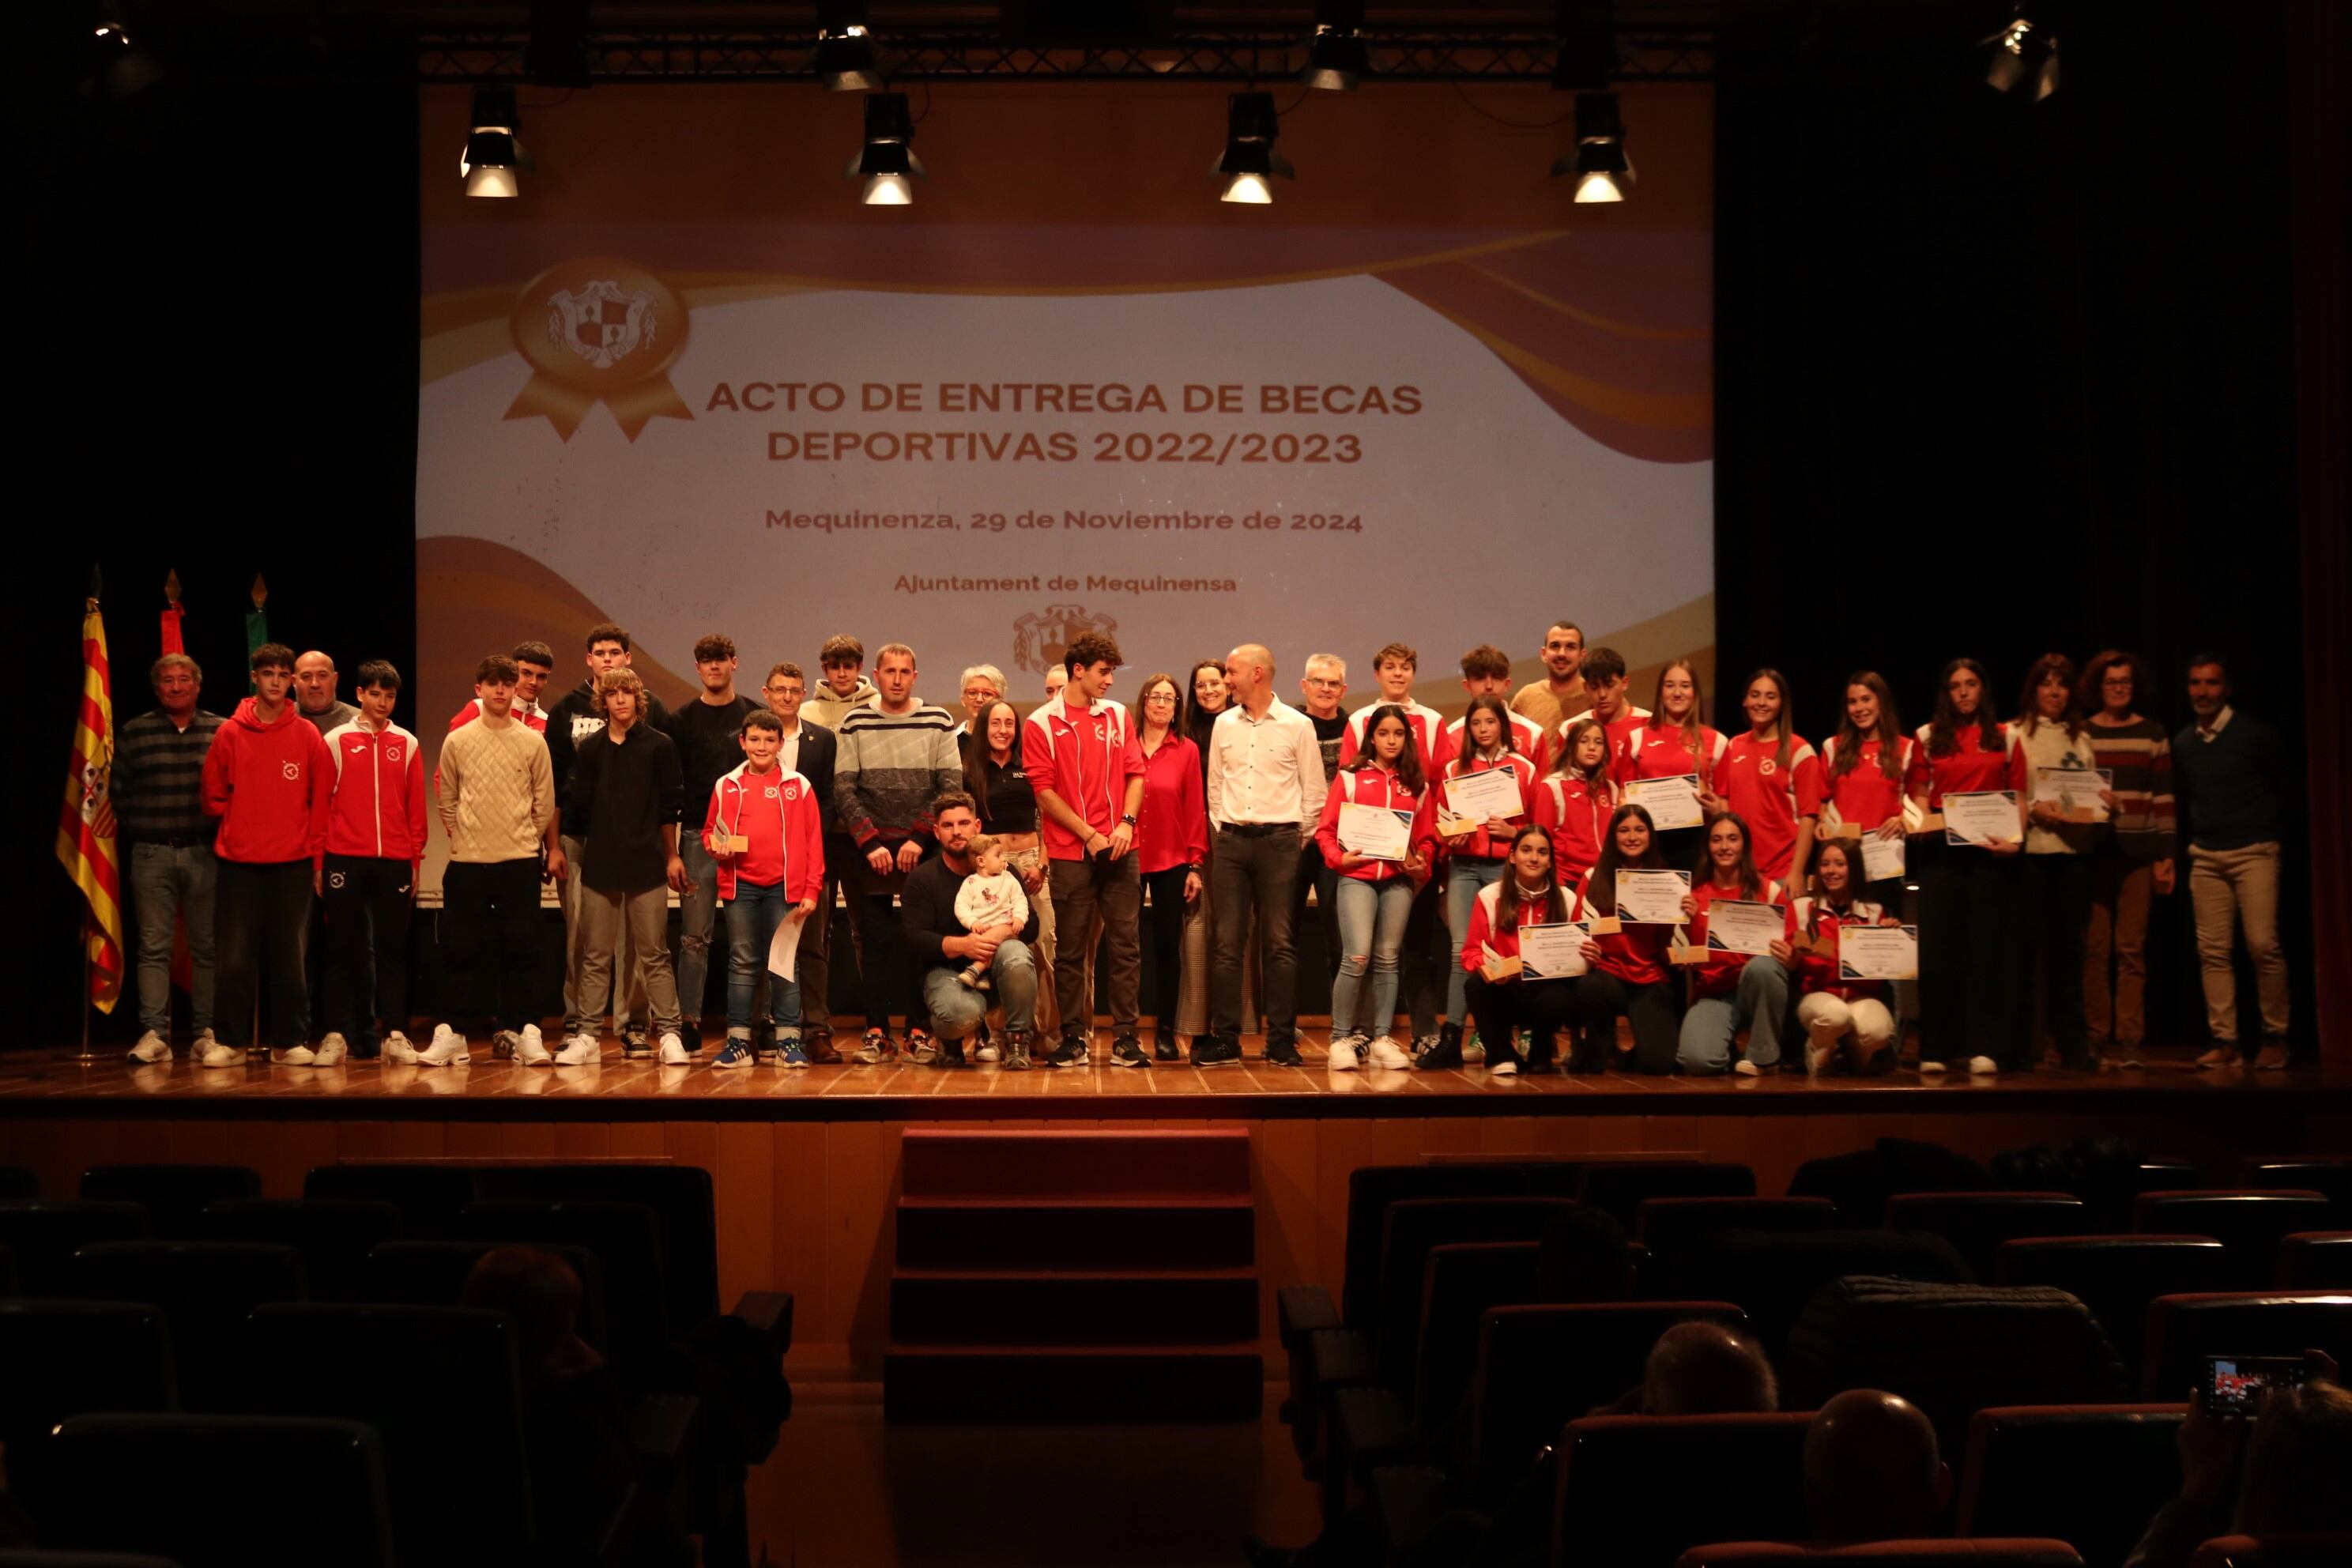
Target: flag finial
pixel 172 585
pixel 261 591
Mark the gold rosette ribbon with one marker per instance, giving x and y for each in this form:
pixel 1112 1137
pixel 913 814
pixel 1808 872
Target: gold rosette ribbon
pixel 599 330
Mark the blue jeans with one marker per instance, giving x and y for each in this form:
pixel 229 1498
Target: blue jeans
pixel 957 1009
pixel 1760 1003
pixel 170 884
pixel 752 917
pixel 696 907
pixel 1464 880
pixel 1371 918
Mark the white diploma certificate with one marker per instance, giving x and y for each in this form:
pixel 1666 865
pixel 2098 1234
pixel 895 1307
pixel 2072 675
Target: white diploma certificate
pixel 1672 803
pixel 1376 832
pixel 785 945
pixel 1881 859
pixel 1879 953
pixel 1651 897
pixel 1980 817
pixel 1553 952
pixel 2074 791
pixel 1738 926
pixel 1490 792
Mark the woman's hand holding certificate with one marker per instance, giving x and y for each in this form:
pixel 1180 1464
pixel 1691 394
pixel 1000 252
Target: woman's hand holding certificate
pixel 1375 832
pixel 1738 926
pixel 1651 897
pixel 1881 859
pixel 1553 952
pixel 1488 794
pixel 1982 817
pixel 1879 953
pixel 1670 802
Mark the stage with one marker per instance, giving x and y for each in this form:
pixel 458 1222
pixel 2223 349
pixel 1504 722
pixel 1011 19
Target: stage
pixel 807 1164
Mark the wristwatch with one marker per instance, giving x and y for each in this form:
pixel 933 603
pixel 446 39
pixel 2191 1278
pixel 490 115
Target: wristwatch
pixel 1128 819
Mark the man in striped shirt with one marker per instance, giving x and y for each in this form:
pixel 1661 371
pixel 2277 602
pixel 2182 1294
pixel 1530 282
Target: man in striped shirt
pixel 156 795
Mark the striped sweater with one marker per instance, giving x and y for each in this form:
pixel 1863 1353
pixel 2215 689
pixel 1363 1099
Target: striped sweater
pixel 158 777
pixel 2140 757
pixel 891 767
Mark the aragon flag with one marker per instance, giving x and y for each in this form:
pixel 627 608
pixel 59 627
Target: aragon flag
pixel 89 856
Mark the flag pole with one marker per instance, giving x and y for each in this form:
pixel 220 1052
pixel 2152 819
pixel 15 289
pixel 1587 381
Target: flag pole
pixel 88 1056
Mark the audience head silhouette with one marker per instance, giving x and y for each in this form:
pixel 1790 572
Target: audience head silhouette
pixel 542 1294
pixel 1872 1469
pixel 2297 1457
pixel 1705 1369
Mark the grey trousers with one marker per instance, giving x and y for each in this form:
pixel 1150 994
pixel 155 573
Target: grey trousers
pixel 615 923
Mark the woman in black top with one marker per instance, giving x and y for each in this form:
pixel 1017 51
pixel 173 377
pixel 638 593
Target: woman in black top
pixel 1008 810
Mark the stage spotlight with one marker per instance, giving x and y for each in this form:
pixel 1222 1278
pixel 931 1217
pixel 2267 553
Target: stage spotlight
pixel 2025 50
pixel 887 162
pixel 1601 170
pixel 118 67
pixel 1250 162
pixel 1337 59
pixel 493 161
pixel 844 47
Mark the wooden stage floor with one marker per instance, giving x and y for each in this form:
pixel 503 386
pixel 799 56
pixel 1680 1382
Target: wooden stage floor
pixel 54 1082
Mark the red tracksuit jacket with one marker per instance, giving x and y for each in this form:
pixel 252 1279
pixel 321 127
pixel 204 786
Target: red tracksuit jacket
pixel 268 783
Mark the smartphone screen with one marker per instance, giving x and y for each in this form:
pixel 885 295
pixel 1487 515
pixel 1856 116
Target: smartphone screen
pixel 2234 1385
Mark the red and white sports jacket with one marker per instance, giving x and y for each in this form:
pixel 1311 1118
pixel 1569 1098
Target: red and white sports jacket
pixel 1862 797
pixel 1654 749
pixel 1428 726
pixel 377 809
pixel 777 811
pixel 1481 844
pixel 1817 968
pixel 1576 813
pixel 1086 757
pixel 1526 737
pixel 1371 785
pixel 1719 975
pixel 1487 934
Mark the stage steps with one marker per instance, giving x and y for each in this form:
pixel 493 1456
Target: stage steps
pixel 1084 1275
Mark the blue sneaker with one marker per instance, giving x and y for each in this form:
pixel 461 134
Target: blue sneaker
pixel 793 1055
pixel 736 1053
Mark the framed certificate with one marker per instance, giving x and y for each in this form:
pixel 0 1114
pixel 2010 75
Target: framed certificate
pixel 1879 953
pixel 1881 859
pixel 1672 803
pixel 1981 817
pixel 1490 792
pixel 2074 791
pixel 1376 832
pixel 1738 926
pixel 1651 897
pixel 1553 952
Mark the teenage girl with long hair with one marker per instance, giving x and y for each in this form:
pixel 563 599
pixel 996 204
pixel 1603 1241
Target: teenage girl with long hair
pixel 1574 801
pixel 1672 741
pixel 1735 991
pixel 1374 898
pixel 2055 872
pixel 1628 974
pixel 1852 1020
pixel 1771 778
pixel 1506 1006
pixel 1863 766
pixel 1476 860
pixel 1967 891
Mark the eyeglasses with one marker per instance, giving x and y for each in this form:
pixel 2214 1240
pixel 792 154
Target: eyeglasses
pixel 1162 697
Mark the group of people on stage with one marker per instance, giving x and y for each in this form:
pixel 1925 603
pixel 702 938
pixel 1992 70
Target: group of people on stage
pixel 1550 862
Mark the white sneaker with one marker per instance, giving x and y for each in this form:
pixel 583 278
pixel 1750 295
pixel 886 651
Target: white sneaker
pixel 531 1049
pixel 1930 1068
pixel 1502 1064
pixel 295 1056
pixel 1818 1057
pixel 673 1050
pixel 151 1047
pixel 447 1050
pixel 209 1052
pixel 1343 1053
pixel 1743 1068
pixel 1983 1067
pixel 582 1050
pixel 988 1053
pixel 400 1049
pixel 1387 1052
pixel 330 1052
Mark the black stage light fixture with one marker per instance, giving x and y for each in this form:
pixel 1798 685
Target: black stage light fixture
pixel 1601 168
pixel 2025 51
pixel 117 66
pixel 494 158
pixel 1337 57
pixel 844 47
pixel 888 162
pixel 1250 162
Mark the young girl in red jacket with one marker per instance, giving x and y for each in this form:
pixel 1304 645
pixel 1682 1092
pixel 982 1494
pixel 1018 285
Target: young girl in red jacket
pixel 1573 804
pixel 1852 1020
pixel 1374 898
pixel 1517 1017
pixel 1735 991
pixel 1476 860
pixel 1863 769
pixel 763 829
pixel 1669 744
pixel 1770 777
pixel 1629 975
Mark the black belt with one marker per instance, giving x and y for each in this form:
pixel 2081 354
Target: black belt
pixel 1257 829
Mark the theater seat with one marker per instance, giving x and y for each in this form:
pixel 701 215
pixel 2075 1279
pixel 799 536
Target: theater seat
pixel 15 1182
pixel 1975 1223
pixel 174 1195
pixel 75 1358
pixel 433 1274
pixel 427 1196
pixel 680 1198
pixel 332 1235
pixel 2116 1276
pixel 2182 1330
pixel 626 1240
pixel 1414 1226
pixel 2330 1174
pixel 1626 1496
pixel 2316 1260
pixel 1620 1189
pixel 43 1235
pixel 34 1557
pixel 2017 1553
pixel 2092 1475
pixel 205 1289
pixel 2248 1223
pixel 1672 1232
pixel 2331 1549
pixel 1774 1277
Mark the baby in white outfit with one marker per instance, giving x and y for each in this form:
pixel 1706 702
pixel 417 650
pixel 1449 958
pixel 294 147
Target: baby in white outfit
pixel 990 903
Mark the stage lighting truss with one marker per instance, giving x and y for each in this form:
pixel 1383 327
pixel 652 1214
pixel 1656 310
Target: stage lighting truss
pixel 844 58
pixel 494 159
pixel 1650 53
pixel 1336 56
pixel 887 162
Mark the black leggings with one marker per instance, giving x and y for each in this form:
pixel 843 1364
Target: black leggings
pixel 1167 890
pixel 1601 997
pixel 1969 920
pixel 1541 1007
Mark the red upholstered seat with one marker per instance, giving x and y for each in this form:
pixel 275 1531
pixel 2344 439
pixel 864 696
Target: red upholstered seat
pixel 2316 1260
pixel 1975 1223
pixel 2246 1221
pixel 2022 1553
pixel 2184 1330
pixel 2116 1276
pixel 2092 1475
pixel 2332 1550
pixel 1626 1497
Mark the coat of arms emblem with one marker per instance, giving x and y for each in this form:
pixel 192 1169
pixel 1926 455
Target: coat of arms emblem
pixel 599 322
pixel 1040 637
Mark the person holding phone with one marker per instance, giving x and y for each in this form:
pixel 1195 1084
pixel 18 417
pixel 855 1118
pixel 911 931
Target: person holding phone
pixel 1968 970
pixel 1863 769
pixel 1735 991
pixel 1629 976
pixel 1852 1020
pixel 1518 1015
pixel 2276 1471
pixel 1374 898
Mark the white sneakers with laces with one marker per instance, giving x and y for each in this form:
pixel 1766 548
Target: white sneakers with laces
pixel 209 1052
pixel 1387 1052
pixel 673 1050
pixel 1983 1067
pixel 399 1050
pixel 295 1056
pixel 1343 1052
pixel 330 1051
pixel 579 1050
pixel 447 1050
pixel 152 1048
pixel 531 1049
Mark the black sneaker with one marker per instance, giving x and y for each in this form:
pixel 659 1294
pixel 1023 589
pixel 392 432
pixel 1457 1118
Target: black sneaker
pixel 1072 1052
pixel 635 1047
pixel 948 1054
pixel 1214 1053
pixel 1165 1048
pixel 1016 1051
pixel 1438 1052
pixel 1126 1051
pixel 1284 1054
